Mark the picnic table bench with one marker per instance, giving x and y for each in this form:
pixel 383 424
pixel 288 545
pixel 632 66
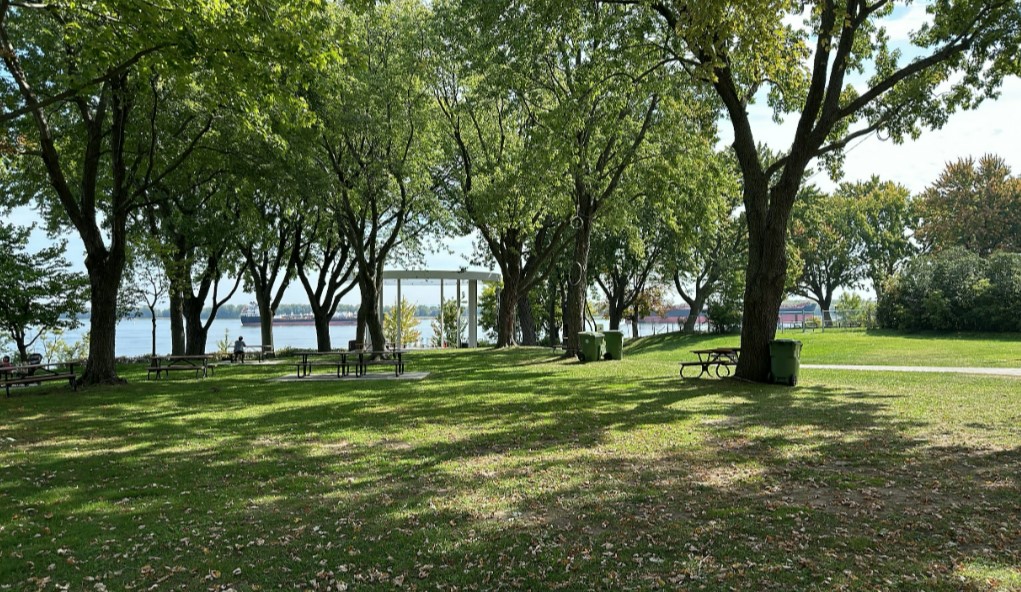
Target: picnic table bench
pixel 199 364
pixel 387 357
pixel 343 361
pixel 38 374
pixel 721 358
pixel 308 362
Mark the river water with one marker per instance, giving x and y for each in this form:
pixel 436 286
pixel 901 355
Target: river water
pixel 134 336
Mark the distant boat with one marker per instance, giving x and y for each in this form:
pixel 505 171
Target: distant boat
pixel 250 318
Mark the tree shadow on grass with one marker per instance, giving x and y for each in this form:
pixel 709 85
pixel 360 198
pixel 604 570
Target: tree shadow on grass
pixel 530 481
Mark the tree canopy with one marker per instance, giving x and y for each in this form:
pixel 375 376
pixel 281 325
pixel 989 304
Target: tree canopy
pixel 974 204
pixel 39 293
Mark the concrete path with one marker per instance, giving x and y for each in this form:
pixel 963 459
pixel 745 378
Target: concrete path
pixel 943 369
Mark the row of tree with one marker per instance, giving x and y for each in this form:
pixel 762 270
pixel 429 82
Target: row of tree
pixel 266 142
pixel 863 234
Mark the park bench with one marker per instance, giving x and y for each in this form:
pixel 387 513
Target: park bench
pixel 38 373
pixel 719 358
pixel 314 359
pixel 199 364
pixel 259 352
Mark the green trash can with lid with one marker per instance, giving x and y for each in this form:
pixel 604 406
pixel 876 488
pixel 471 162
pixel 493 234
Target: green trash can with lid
pixel 590 346
pixel 614 345
pixel 785 360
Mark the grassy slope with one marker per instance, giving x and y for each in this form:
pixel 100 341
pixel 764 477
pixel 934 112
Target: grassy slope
pixel 520 470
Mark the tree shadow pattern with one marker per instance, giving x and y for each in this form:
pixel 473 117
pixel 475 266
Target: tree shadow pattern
pixel 503 470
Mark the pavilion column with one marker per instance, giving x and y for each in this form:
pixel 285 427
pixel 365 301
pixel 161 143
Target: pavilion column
pixel 440 340
pixel 473 313
pixel 400 319
pixel 457 324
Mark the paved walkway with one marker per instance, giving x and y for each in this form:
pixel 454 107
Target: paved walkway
pixel 943 369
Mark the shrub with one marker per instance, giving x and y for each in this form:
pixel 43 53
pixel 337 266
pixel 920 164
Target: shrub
pixel 954 290
pixel 724 315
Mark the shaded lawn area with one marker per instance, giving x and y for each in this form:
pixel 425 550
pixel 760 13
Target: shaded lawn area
pixel 515 470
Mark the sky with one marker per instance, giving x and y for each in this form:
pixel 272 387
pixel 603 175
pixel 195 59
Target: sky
pixel 993 128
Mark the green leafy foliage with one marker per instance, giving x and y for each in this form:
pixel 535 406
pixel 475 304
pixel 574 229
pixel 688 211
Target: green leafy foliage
pixel 883 222
pixel 852 310
pixel 822 232
pixel 808 59
pixel 409 334
pixel 973 204
pixel 454 325
pixel 38 294
pixel 955 290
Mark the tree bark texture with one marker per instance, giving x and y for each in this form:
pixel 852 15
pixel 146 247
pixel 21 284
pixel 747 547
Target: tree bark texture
pixel 266 314
pixel 509 294
pixel 577 292
pixel 322 324
pixel 104 280
pixel 507 314
pixel 178 340
pixel 369 289
pixel 552 299
pixel 195 330
pixel 765 279
pixel 529 335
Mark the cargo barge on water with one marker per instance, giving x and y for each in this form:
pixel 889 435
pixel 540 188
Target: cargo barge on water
pixel 250 318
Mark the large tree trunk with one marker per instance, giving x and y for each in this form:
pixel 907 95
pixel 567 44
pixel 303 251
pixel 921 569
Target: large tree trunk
pixel 508 304
pixel 529 335
pixel 19 342
pixel 616 315
pixel 266 314
pixel 697 304
pixel 578 284
pixel 104 280
pixel 152 316
pixel 826 303
pixel 765 279
pixel 194 328
pixel 322 323
pixel 360 327
pixel 370 300
pixel 322 316
pixel 553 328
pixel 178 339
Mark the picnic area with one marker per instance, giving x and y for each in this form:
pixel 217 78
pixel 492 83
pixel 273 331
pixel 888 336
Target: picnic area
pixel 522 469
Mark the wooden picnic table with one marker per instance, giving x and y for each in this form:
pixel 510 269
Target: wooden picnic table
pixel 387 357
pixel 720 357
pixel 166 364
pixel 340 363
pixel 38 373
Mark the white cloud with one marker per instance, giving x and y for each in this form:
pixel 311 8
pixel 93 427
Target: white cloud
pixel 906 20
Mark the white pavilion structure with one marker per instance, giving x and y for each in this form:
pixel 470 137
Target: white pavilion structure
pixel 401 277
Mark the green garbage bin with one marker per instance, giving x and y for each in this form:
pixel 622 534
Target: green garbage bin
pixel 590 345
pixel 785 360
pixel 614 343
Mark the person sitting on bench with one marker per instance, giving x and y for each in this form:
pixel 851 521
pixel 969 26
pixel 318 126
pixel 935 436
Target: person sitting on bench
pixel 239 350
pixel 6 363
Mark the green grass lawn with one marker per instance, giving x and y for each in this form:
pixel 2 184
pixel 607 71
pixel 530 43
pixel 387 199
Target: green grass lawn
pixel 520 470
